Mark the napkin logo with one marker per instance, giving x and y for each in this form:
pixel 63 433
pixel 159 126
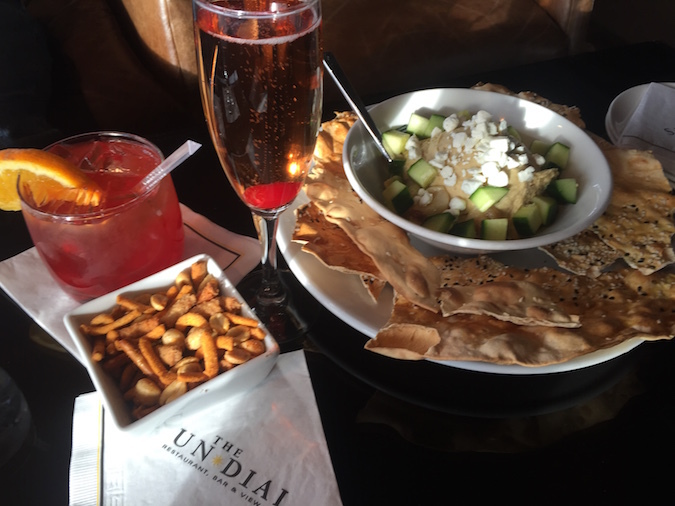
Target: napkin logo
pixel 223 462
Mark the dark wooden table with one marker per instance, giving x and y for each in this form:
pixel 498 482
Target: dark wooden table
pixel 394 435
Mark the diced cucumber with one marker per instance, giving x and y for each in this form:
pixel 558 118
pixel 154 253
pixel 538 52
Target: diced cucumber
pixel 422 172
pixel 464 229
pixel 418 125
pixel 564 190
pixel 527 220
pixel 512 132
pixel 558 155
pixel 390 180
pixel 486 196
pixel 539 147
pixel 394 141
pixel 548 208
pixel 435 121
pixel 494 229
pixel 440 222
pixel 397 197
pixel 397 167
pixel 464 115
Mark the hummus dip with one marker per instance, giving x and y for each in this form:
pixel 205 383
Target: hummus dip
pixel 470 152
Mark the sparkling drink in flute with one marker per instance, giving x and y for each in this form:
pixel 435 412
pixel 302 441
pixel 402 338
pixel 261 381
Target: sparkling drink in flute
pixel 261 86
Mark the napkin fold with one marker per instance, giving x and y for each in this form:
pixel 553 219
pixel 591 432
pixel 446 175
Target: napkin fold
pixel 27 281
pixel 265 446
pixel 652 126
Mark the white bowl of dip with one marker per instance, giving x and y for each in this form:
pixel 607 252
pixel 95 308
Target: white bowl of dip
pixel 367 170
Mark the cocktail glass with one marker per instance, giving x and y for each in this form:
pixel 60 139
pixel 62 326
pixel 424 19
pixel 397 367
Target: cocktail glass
pixel 91 251
pixel 261 86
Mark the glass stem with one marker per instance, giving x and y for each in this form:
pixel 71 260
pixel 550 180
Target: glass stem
pixel 271 291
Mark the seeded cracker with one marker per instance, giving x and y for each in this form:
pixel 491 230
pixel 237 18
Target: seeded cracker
pixel 584 253
pixel 639 220
pixel 610 313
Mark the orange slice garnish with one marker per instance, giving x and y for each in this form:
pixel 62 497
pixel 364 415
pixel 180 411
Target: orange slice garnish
pixel 49 178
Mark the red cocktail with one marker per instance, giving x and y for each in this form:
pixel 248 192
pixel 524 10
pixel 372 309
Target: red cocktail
pixel 91 251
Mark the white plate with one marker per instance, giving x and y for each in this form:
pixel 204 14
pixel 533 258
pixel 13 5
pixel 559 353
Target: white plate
pixel 622 108
pixel 344 296
pixel 225 385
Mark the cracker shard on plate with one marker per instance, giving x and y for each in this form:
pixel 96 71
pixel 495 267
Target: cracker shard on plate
pixel 637 226
pixel 333 247
pixel 405 268
pixel 639 220
pixel 610 312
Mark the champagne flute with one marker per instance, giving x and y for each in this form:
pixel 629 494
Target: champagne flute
pixel 261 87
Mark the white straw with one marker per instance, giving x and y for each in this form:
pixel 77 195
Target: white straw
pixel 171 162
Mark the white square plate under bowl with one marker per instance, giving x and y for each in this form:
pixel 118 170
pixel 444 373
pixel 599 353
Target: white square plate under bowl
pixel 223 386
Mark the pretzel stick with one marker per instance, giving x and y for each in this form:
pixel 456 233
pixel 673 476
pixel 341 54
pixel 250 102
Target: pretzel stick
pixel 210 354
pixel 102 330
pixel 145 345
pixel 135 356
pixel 238 319
pixel 98 352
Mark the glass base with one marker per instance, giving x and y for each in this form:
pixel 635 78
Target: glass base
pixel 288 321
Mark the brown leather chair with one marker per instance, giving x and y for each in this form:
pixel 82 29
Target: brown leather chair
pixel 131 65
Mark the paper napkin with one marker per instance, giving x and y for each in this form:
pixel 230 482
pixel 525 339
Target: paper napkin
pixel 652 126
pixel 265 446
pixel 27 281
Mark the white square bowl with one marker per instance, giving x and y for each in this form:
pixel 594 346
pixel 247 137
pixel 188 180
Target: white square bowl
pixel 223 386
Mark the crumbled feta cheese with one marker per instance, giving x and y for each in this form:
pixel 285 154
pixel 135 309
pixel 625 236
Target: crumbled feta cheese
pixel 482 116
pixel 470 143
pixel 500 179
pixel 480 131
pixel 412 145
pixel 494 155
pixel 435 132
pixel 539 159
pixel 458 139
pixel 526 174
pixel 423 197
pixel 448 175
pixel 489 169
pixel 477 174
pixel 471 185
pixel 450 123
pixel 512 163
pixel 457 204
pixel 440 160
pixel 501 143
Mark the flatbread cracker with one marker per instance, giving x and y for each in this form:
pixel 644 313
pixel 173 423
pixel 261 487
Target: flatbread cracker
pixel 404 267
pixel 400 264
pixel 639 220
pixel 519 302
pixel 611 312
pixel 333 247
pixel 330 244
pixel 584 253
